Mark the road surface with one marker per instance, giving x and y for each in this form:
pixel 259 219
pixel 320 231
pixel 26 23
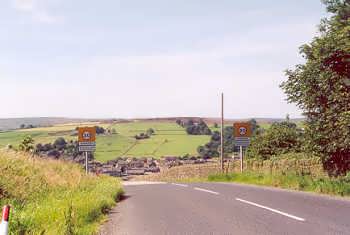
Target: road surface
pixel 223 208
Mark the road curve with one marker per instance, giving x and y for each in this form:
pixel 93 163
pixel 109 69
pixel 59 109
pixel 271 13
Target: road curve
pixel 222 208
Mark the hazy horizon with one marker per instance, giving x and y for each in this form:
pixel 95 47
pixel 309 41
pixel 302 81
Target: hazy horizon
pixel 142 59
pixel 165 117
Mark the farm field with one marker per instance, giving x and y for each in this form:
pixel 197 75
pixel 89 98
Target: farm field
pixel 169 139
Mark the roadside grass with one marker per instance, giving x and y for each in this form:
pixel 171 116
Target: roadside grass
pixel 53 197
pixel 334 186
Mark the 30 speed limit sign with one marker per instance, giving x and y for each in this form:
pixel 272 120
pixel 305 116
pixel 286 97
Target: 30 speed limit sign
pixel 242 133
pixel 87 139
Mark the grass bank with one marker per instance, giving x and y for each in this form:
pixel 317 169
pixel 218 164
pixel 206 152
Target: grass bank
pixel 333 186
pixel 53 197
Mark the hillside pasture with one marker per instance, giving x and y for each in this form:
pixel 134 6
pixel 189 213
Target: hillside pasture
pixel 169 139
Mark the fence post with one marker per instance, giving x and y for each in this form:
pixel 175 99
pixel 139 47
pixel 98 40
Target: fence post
pixel 4 225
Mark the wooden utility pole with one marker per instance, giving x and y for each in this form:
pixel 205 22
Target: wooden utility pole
pixel 222 134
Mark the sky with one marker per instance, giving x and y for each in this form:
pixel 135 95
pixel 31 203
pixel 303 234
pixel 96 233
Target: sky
pixel 154 58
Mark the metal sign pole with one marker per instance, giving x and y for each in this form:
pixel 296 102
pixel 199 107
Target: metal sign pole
pixel 241 156
pixel 86 162
pixel 222 134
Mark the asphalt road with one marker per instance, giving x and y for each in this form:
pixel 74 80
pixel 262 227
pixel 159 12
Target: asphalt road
pixel 220 208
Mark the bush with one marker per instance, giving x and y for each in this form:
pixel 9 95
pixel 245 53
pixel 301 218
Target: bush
pixel 100 130
pixel 27 144
pixel 150 132
pixel 280 138
pixel 60 143
pixel 141 136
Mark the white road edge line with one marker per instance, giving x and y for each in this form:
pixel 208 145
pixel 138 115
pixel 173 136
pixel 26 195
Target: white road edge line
pixel 206 190
pixel 270 209
pixel 181 185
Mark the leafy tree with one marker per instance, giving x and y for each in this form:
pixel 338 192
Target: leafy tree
pixel 321 88
pixel 46 147
pixel 178 122
pixel 60 143
pixel 39 147
pixel 141 136
pixel 199 128
pixel 22 126
pixel 256 129
pixel 279 138
pixel 216 125
pixel 27 144
pixel 100 130
pixel 211 149
pixel 150 131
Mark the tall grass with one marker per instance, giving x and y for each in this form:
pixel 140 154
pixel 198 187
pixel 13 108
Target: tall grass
pixel 53 197
pixel 334 186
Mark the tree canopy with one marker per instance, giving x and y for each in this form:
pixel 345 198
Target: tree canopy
pixel 321 88
pixel 281 137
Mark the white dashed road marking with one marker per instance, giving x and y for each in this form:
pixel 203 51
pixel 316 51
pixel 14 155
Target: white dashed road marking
pixel 270 209
pixel 206 190
pixel 181 185
pixel 128 183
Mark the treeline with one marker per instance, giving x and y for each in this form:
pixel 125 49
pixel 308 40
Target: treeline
pixel 194 128
pixel 29 126
pixel 279 138
pixel 212 148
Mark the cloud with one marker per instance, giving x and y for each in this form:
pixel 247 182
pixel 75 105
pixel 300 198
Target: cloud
pixel 37 9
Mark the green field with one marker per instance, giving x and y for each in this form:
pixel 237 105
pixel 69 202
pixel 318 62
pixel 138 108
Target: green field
pixel 169 139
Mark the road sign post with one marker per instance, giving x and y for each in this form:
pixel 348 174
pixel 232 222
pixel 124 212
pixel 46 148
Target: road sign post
pixel 87 142
pixel 241 157
pixel 222 135
pixel 86 162
pixel 242 134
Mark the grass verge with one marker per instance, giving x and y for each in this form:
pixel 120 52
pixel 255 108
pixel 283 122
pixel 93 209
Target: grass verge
pixel 53 197
pixel 334 186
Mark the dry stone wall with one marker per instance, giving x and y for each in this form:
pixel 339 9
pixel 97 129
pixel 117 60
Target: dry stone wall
pixel 312 166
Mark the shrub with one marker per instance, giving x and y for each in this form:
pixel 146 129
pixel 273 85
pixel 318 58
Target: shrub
pixel 100 130
pixel 280 138
pixel 60 143
pixel 150 131
pixel 27 144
